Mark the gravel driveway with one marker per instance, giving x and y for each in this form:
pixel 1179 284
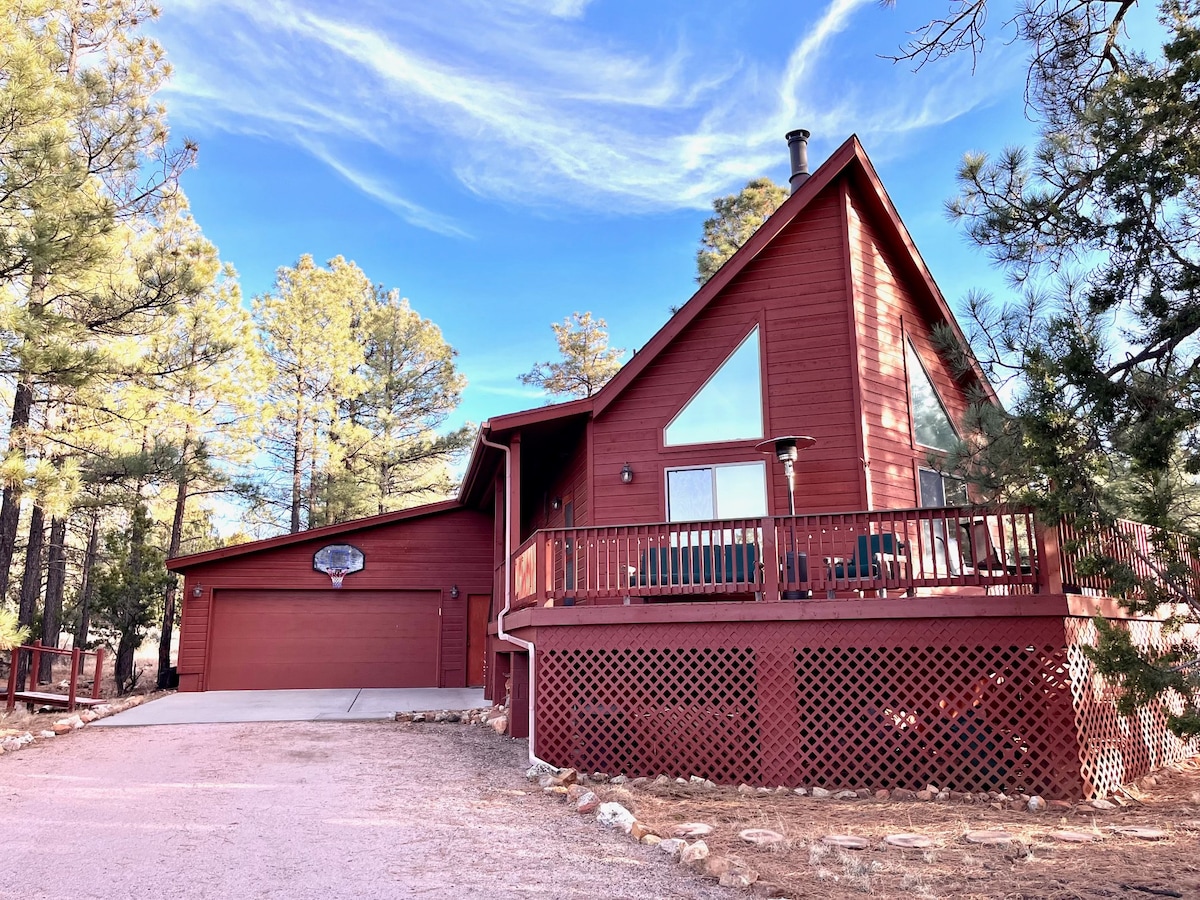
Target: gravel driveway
pixel 304 810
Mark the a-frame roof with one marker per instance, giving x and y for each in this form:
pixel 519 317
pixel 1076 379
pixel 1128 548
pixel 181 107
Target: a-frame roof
pixel 849 159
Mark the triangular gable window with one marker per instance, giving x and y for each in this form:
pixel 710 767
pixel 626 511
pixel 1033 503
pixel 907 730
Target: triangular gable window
pixel 729 405
pixel 931 422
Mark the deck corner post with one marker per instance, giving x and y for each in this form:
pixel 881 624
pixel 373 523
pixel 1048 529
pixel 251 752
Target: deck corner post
pixel 543 575
pixel 770 561
pixel 1050 579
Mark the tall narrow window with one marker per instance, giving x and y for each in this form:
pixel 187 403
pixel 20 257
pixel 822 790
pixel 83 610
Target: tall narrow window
pixel 931 423
pixel 729 405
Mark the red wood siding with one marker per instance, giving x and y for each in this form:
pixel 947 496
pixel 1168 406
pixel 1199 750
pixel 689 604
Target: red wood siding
pixel 886 310
pixel 429 553
pixel 285 640
pixel 796 291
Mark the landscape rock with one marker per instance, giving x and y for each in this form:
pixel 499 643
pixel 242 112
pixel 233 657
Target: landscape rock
pixel 661 780
pixel 820 793
pixel 716 866
pixel 614 815
pixel 651 840
pixel 619 779
pixel 638 831
pixel 943 796
pixel 46 734
pixel 564 778
pixel 588 803
pixel 883 794
pixel 1063 805
pixel 846 795
pixel 1103 804
pixel 745 790
pixel 903 794
pixel 925 795
pixel 640 781
pixel 555 791
pixel 672 846
pixel 599 777
pixel 693 853
pixel 500 724
pixel 801 792
pixel 89 715
pixel 575 791
pixel 538 769
pixel 1036 804
pixel 933 789
pixel 738 878
pixel 418 717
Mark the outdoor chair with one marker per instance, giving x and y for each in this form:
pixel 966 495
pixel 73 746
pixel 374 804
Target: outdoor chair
pixel 875 556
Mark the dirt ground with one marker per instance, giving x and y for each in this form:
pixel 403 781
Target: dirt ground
pixel 457 780
pixel 1032 865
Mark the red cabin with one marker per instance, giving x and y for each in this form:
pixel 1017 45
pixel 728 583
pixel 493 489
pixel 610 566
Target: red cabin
pixel 660 600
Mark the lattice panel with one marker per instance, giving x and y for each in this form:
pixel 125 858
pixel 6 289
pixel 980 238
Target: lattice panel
pixel 1116 749
pixel 965 703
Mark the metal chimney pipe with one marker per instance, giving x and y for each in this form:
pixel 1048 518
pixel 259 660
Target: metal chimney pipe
pixel 798 150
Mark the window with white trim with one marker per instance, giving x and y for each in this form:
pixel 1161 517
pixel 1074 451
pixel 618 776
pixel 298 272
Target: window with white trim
pixel 931 422
pixel 728 407
pixel 703 493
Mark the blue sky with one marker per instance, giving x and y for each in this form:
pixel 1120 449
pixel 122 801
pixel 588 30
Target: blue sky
pixel 504 164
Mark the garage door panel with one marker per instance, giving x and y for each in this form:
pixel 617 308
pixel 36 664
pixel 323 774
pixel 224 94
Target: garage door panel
pixel 274 640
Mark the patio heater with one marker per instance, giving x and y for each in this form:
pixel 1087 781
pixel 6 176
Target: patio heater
pixel 787 449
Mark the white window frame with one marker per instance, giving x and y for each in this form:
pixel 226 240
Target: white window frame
pixel 756 333
pixel 713 467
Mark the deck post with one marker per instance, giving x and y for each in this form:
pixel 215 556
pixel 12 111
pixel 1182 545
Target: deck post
pixel 1050 580
pixel 99 672
pixel 770 561
pixel 34 661
pixel 73 679
pixel 13 655
pixel 541 584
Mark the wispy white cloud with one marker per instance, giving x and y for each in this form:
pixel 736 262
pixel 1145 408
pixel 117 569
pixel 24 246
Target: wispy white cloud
pixel 522 102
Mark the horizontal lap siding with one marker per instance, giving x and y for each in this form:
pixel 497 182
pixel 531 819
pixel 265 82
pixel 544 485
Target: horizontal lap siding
pixel 429 553
pixel 886 299
pixel 796 288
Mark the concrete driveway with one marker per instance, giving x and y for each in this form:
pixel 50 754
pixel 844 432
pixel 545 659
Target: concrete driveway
pixel 353 704
pixel 306 811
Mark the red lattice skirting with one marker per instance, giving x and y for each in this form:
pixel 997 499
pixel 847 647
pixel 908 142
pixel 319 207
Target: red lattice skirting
pixel 967 704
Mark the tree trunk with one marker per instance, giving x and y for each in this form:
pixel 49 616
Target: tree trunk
pixel 10 507
pixel 56 576
pixel 84 623
pixel 168 621
pixel 31 582
pixel 296 479
pixel 123 673
pixel 22 412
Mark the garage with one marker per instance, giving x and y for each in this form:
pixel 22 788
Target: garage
pixel 380 602
pixel 273 640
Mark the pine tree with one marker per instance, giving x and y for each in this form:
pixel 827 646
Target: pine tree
pixel 736 218
pixel 588 363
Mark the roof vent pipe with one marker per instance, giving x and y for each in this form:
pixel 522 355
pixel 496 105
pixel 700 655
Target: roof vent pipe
pixel 798 150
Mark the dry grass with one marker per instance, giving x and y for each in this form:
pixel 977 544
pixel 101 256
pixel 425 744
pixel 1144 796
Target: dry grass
pixel 1033 864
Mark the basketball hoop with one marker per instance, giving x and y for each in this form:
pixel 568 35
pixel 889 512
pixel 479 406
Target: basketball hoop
pixel 337 561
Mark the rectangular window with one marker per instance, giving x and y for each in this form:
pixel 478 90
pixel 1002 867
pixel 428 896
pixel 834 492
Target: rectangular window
pixel 701 493
pixel 940 490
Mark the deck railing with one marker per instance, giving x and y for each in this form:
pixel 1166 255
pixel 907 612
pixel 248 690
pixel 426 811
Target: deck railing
pixel 839 554
pixel 1151 555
